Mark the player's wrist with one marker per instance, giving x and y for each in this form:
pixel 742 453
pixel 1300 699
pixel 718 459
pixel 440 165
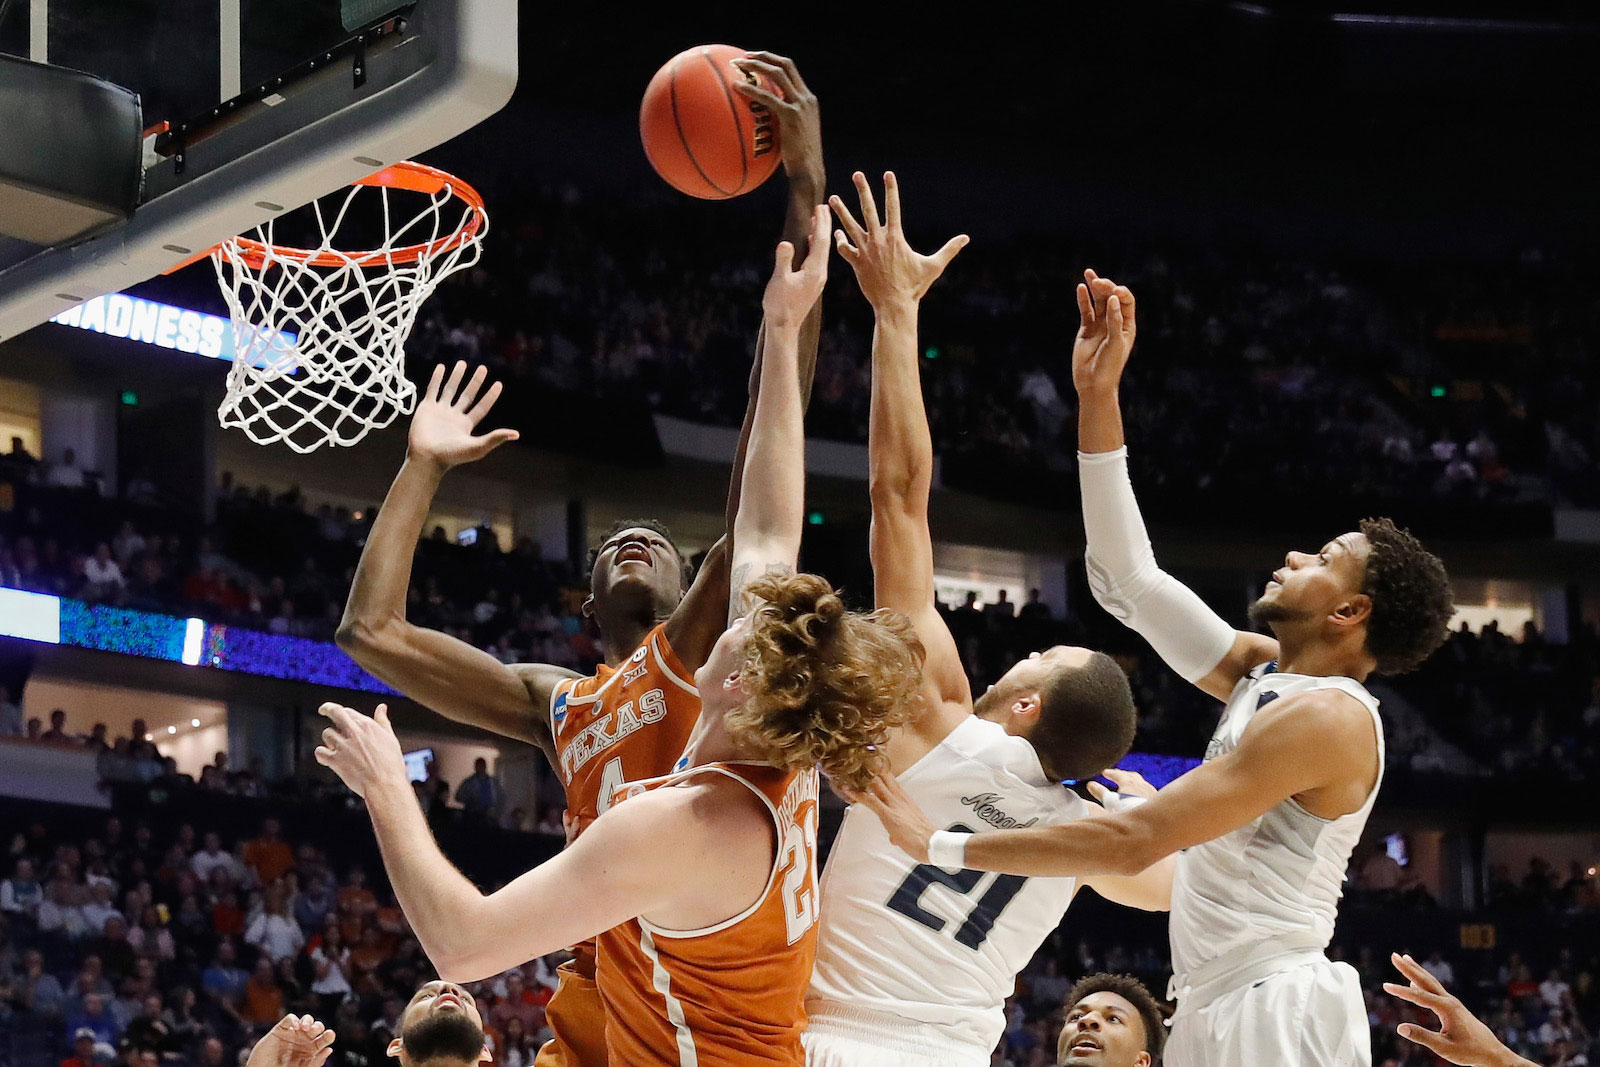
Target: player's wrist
pixel 948 849
pixel 896 309
pixel 425 464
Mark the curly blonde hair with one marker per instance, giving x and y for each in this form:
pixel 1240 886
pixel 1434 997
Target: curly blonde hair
pixel 824 686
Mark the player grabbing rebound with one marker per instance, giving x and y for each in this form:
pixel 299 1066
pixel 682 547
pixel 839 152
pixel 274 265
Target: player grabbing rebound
pixel 700 884
pixel 887 922
pixel 1268 822
pixel 441 1027
pixel 632 718
pixel 1112 1021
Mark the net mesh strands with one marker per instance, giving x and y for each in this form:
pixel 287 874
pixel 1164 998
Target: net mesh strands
pixel 319 333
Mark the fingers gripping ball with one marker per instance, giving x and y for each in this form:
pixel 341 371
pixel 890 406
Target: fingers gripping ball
pixel 703 138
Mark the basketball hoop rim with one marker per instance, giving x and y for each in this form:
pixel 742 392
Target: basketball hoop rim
pixel 413 177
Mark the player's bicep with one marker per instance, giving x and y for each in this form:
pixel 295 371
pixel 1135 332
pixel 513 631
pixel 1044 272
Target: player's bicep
pixel 610 873
pixel 456 680
pixel 702 614
pixel 942 668
pixel 1288 749
pixel 1249 651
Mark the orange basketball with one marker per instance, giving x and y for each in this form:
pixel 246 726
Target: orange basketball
pixel 701 136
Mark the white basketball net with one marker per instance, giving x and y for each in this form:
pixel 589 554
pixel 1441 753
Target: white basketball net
pixel 319 349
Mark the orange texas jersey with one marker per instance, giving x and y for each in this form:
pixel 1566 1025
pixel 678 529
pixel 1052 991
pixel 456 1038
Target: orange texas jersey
pixel 623 724
pixel 732 994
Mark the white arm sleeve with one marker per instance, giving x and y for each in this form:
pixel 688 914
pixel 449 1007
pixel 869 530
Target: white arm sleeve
pixel 1126 581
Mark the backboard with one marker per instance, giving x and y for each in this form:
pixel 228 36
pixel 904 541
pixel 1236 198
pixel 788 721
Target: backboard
pixel 252 108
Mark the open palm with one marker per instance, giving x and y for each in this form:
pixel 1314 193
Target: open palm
pixel 886 265
pixel 441 429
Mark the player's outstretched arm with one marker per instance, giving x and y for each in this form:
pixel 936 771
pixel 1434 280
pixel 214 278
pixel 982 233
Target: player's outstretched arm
pixel 434 669
pixel 612 872
pixel 894 279
pixel 766 531
pixel 702 615
pixel 1294 746
pixel 1188 635
pixel 1462 1037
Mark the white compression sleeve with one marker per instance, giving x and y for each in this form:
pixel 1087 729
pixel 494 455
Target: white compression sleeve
pixel 1126 581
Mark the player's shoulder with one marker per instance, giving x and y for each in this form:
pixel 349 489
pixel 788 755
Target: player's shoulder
pixel 1328 716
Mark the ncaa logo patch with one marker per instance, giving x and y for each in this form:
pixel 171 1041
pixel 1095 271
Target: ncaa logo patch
pixel 559 712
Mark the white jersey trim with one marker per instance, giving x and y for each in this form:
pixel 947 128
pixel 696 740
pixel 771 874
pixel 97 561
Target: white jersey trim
pixel 772 875
pixel 661 662
pixel 662 981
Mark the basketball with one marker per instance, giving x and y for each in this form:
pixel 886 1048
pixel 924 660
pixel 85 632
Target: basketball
pixel 703 138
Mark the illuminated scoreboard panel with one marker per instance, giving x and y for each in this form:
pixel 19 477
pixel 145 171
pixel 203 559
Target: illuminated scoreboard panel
pixel 167 326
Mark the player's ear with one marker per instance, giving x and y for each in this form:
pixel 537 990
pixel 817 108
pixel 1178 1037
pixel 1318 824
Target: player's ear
pixel 394 1049
pixel 1357 609
pixel 588 606
pixel 486 1056
pixel 1025 709
pixel 1142 1060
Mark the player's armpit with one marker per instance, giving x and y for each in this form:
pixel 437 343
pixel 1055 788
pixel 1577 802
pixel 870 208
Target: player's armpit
pixel 701 616
pixel 1249 651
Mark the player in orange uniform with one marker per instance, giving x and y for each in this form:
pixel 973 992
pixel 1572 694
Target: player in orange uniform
pixel 601 730
pixel 702 884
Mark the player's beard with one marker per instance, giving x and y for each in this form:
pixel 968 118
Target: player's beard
pixel 443 1036
pixel 1269 613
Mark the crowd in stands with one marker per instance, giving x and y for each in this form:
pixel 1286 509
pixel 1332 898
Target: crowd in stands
pixel 1254 367
pixel 161 939
pixel 1508 705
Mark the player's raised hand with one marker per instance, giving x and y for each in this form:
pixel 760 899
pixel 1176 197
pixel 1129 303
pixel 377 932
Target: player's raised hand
pixel 886 267
pixel 908 828
pixel 1106 330
pixel 297 1041
pixel 799 121
pixel 441 429
pixel 1462 1037
pixel 791 293
pixel 363 752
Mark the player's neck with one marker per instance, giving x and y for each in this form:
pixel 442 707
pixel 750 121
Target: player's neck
pixel 710 742
pixel 1316 658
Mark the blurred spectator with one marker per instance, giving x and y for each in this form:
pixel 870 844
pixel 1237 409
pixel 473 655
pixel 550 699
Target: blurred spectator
pixel 11 719
pixel 268 855
pixel 479 794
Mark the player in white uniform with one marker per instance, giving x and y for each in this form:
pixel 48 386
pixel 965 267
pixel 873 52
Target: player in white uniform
pixel 1270 818
pixel 914 962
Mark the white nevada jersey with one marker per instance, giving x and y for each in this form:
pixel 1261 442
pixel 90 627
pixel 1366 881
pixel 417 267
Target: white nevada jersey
pixel 1274 882
pixel 941 949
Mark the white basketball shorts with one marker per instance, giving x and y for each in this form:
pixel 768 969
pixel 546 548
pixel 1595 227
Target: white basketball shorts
pixel 1312 1015
pixel 829 1049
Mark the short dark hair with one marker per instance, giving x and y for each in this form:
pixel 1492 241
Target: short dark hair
pixel 1411 599
pixel 1133 991
pixel 685 565
pixel 1086 719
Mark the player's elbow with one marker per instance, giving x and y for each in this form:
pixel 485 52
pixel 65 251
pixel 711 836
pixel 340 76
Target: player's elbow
pixel 361 637
pixel 896 486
